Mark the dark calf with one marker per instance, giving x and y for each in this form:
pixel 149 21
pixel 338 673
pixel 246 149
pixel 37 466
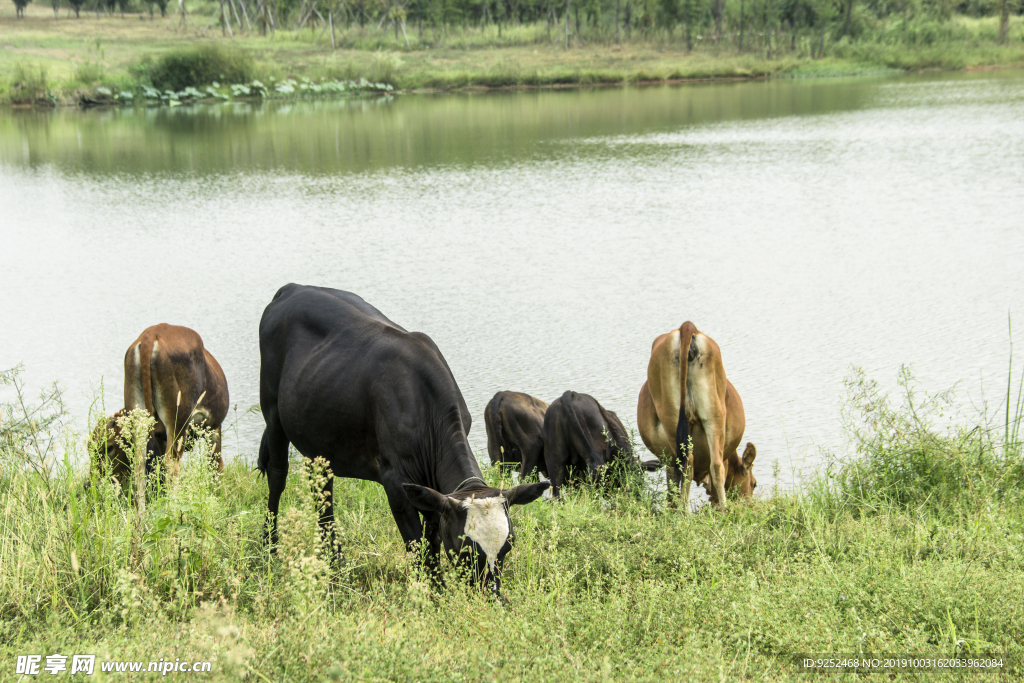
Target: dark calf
pixel 580 438
pixel 515 431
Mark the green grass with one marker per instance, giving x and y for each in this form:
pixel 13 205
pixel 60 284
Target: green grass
pixel 914 546
pixel 78 55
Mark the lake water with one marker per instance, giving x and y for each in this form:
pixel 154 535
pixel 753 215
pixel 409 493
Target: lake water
pixel 543 239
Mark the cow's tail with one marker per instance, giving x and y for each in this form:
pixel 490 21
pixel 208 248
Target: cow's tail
pixel 686 332
pixel 493 427
pixel 495 410
pixel 263 459
pixel 582 443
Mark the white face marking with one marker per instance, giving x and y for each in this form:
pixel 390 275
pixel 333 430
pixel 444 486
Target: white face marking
pixel 487 525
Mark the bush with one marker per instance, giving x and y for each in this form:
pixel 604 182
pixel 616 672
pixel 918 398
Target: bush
pixel 28 83
pixel 904 462
pixel 386 66
pixel 199 66
pixel 88 73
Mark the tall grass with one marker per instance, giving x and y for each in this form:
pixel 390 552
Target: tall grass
pixel 905 462
pixel 28 84
pixel 885 552
pixel 195 66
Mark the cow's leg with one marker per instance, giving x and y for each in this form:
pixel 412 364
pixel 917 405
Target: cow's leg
pixel 714 429
pixel 432 537
pixel 168 457
pixel 594 463
pixel 273 460
pixel 671 489
pixel 556 474
pixel 218 458
pixel 169 400
pixel 407 517
pixel 686 476
pixel 678 491
pixel 173 427
pixel 532 457
pixel 707 390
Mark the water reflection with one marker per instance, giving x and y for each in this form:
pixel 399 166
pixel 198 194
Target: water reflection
pixel 358 134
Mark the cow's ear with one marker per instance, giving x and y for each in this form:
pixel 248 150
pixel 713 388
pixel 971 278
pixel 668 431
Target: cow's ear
pixel 749 453
pixel 525 493
pixel 427 499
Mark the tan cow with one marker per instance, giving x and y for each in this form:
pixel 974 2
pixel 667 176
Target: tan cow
pixel 166 371
pixel 713 411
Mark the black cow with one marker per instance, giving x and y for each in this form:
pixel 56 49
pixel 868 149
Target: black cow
pixel 580 437
pixel 341 381
pixel 515 431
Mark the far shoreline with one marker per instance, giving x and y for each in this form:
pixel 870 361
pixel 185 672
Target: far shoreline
pixel 77 102
pixel 88 61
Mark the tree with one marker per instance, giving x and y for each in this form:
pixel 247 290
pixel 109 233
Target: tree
pixel 76 5
pixel 618 27
pixel 743 21
pixel 1004 19
pixel 823 11
pixel 688 11
pixel 668 14
pixel 19 6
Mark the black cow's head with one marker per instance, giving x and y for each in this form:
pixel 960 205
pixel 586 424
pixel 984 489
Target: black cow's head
pixel 475 524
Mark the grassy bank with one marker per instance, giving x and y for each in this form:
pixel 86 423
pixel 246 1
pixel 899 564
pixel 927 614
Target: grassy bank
pixel 915 546
pixel 61 60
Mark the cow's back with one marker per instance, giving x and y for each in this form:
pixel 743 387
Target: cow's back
pixel 178 369
pixel 303 321
pixel 340 377
pixel 310 335
pixel 514 422
pixel 300 313
pixel 573 428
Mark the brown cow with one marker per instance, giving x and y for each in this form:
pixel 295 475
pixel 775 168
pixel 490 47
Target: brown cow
pixel 166 372
pixel 714 418
pixel 515 431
